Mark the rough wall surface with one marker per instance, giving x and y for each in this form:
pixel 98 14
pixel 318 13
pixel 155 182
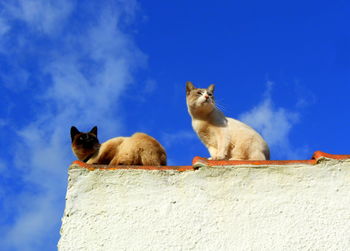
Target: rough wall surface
pixel 295 207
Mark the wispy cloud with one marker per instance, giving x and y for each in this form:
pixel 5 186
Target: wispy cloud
pixel 4 27
pixel 179 140
pixel 3 123
pixel 77 81
pixel 275 124
pixel 40 15
pixel 2 168
pixel 175 138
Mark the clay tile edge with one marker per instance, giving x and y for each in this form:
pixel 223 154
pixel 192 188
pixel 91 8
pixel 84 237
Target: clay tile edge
pixel 199 162
pixel 319 155
pixel 116 167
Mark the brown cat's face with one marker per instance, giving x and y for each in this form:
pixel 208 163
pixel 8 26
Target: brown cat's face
pixel 84 145
pixel 200 98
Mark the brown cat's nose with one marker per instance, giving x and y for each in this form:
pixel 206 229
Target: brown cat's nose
pixel 206 96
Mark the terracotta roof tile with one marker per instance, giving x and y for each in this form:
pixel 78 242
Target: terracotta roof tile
pixel 318 155
pixel 198 162
pixel 114 167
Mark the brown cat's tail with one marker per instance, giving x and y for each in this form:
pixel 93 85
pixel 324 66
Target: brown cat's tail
pixel 163 159
pixel 154 158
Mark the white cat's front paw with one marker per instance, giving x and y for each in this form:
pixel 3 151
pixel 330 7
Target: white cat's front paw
pixel 210 158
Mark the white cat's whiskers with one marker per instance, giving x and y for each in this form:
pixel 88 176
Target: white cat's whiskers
pixel 220 107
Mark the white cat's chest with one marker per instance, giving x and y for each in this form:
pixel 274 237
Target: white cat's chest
pixel 206 132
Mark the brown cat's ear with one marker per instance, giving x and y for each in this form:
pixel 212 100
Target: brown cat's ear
pixel 73 131
pixel 211 88
pixel 94 130
pixel 189 87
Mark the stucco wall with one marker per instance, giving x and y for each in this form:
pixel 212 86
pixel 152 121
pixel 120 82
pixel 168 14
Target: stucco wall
pixel 292 207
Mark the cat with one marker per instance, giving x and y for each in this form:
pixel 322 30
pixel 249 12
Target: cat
pixel 225 138
pixel 139 149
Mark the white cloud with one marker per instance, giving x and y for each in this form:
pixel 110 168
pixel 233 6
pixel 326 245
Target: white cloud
pixel 3 168
pixel 75 95
pixel 41 15
pixel 178 140
pixel 275 125
pixel 170 139
pixel 3 122
pixel 4 27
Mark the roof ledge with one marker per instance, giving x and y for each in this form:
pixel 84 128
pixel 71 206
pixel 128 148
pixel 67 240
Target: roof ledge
pixel 199 162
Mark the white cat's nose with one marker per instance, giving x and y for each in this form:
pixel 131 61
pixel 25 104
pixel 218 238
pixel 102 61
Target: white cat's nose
pixel 206 96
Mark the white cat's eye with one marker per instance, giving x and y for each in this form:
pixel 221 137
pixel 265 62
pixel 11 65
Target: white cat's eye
pixel 200 93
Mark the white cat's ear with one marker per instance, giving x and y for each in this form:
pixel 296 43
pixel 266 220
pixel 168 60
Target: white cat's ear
pixel 211 88
pixel 73 131
pixel 94 130
pixel 189 87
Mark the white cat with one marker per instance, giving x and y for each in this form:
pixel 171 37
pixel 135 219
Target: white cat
pixel 225 138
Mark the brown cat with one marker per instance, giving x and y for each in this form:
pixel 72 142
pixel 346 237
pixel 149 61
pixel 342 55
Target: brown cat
pixel 139 149
pixel 225 138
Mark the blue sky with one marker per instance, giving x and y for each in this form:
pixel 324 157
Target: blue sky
pixel 281 66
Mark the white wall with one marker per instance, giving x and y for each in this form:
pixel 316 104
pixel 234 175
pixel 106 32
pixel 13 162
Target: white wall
pixel 296 207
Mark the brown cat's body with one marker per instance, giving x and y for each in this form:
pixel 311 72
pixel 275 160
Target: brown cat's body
pixel 225 138
pixel 139 149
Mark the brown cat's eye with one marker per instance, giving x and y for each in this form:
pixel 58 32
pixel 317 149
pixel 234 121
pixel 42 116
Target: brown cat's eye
pixel 199 93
